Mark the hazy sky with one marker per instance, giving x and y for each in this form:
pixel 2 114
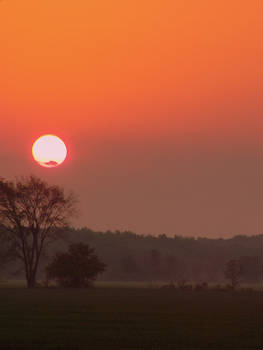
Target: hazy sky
pixel 159 102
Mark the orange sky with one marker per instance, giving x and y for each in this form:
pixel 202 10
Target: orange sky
pixel 159 103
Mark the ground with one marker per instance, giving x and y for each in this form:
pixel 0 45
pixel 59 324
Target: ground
pixel 129 319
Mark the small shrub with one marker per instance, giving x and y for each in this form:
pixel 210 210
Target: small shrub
pixel 78 267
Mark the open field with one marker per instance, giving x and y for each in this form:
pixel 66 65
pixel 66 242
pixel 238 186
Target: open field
pixel 130 318
pixel 127 284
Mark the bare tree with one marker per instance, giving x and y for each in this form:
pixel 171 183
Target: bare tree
pixel 7 253
pixel 155 262
pixel 233 272
pixel 170 266
pixel 252 268
pixel 33 213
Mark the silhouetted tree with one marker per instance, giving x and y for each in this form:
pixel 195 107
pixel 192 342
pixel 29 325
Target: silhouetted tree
pixel 129 265
pixel 78 267
pixel 7 253
pixel 170 266
pixel 252 268
pixel 33 213
pixel 155 262
pixel 182 273
pixel 233 272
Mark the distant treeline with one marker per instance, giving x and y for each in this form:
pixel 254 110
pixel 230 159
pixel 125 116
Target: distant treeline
pixel 134 257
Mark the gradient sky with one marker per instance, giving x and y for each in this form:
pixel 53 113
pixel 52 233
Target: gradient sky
pixel 159 102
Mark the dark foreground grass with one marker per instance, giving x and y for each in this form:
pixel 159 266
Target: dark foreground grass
pixel 129 319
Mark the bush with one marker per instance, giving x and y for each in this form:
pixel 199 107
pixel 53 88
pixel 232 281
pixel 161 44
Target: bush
pixel 78 267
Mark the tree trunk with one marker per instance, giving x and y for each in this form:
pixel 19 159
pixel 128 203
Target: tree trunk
pixel 31 280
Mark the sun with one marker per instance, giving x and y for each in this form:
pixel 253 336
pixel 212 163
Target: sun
pixel 49 151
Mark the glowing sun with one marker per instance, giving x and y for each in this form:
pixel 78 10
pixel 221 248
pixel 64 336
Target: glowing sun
pixel 49 151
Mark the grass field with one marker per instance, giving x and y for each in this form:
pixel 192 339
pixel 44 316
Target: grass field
pixel 129 318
